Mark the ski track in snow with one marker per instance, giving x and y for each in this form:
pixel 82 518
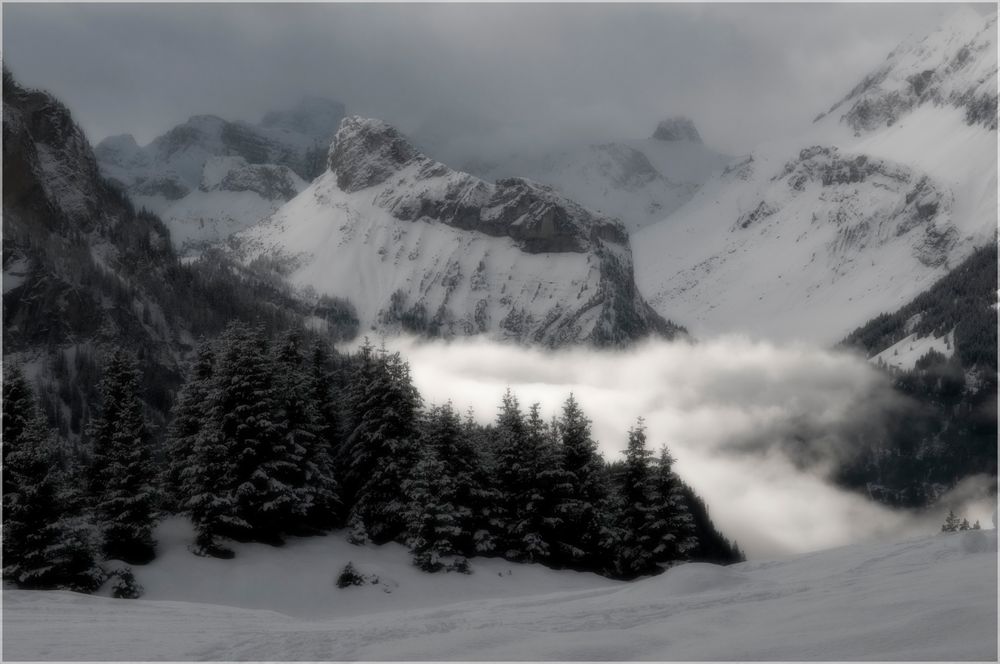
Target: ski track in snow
pixel 932 598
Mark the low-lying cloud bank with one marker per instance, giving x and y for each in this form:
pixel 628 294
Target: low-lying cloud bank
pixel 754 426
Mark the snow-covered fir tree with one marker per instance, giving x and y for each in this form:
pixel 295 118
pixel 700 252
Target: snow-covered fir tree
pixel 516 477
pixel 584 529
pixel 672 530
pixel 45 544
pixel 328 508
pixel 189 421
pixel 306 435
pixel 443 433
pixel 381 451
pixel 637 525
pixel 202 466
pixel 250 421
pixel 123 479
pixel 434 523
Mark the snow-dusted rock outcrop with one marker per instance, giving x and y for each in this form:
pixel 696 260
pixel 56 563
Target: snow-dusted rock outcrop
pixel 418 246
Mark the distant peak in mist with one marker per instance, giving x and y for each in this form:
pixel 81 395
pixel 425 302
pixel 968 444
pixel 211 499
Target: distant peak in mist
pixel 677 128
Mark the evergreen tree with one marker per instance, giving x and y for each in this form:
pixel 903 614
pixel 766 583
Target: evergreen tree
pixel 123 477
pixel 542 521
pixel 381 451
pixel 189 420
pixel 45 545
pixel 951 523
pixel 19 409
pixel 672 529
pixel 639 525
pixel 515 475
pixel 252 429
pixel 306 435
pixel 434 523
pixel 207 476
pixel 584 531
pixel 473 498
pixel 964 525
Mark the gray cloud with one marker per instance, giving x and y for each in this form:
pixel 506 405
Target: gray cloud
pixel 468 78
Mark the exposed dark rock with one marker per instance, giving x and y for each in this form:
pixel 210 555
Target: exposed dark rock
pixel 677 129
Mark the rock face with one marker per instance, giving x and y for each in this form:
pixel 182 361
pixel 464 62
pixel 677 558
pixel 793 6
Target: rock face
pixel 418 246
pixel 367 152
pixel 677 129
pixel 268 181
pixel 955 66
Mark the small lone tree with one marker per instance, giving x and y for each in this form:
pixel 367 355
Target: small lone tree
pixel 951 523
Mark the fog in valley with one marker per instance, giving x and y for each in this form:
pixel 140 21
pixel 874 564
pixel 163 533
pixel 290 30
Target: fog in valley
pixel 754 426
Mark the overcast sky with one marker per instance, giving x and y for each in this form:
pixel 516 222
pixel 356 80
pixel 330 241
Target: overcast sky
pixel 484 75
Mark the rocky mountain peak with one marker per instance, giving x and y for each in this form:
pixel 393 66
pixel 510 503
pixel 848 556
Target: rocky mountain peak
pixel 366 152
pixel 677 128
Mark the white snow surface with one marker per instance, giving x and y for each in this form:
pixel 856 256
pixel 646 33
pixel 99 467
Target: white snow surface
pixel 931 598
pixel 903 354
pixel 759 251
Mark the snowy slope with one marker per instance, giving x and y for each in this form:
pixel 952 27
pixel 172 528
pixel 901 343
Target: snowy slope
pixel 810 236
pixel 232 195
pixel 415 245
pixel 636 181
pixel 932 598
pixel 903 354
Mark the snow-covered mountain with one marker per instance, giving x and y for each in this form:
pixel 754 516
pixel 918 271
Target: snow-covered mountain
pixel 810 236
pixel 638 181
pixel 208 178
pixel 416 245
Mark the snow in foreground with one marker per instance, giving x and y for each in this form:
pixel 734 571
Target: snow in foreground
pixel 933 598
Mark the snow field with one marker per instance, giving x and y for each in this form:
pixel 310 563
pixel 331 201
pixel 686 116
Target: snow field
pixel 931 598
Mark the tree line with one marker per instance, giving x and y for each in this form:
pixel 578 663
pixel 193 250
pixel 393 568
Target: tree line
pixel 273 436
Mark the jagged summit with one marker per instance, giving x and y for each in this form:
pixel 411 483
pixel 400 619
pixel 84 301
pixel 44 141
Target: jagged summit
pixel 365 152
pixel 677 128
